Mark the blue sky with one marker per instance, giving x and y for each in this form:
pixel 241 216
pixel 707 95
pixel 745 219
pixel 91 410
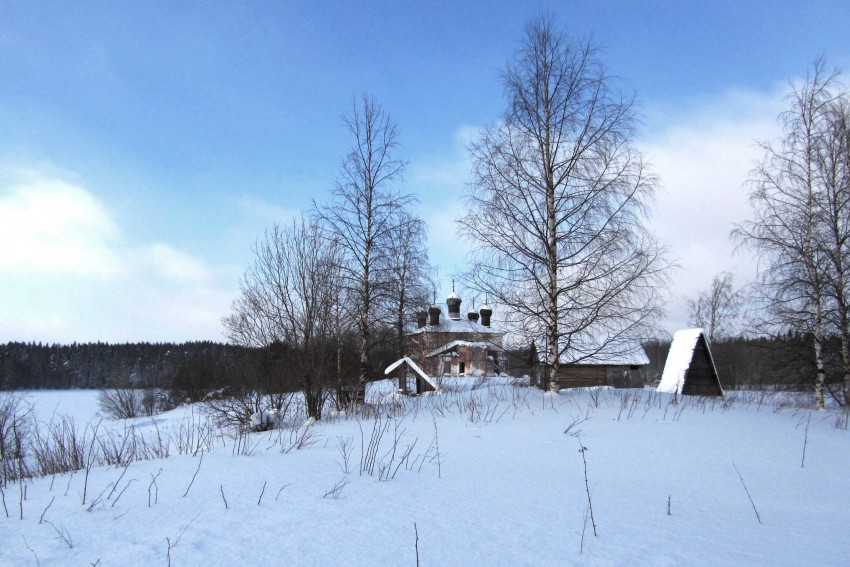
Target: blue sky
pixel 144 146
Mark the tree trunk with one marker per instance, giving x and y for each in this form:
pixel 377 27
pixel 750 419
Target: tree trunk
pixel 554 342
pixel 821 372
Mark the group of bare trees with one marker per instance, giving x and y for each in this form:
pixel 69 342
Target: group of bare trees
pixel 800 196
pixel 716 310
pixel 352 267
pixel 557 204
pixel 556 216
pixel 555 213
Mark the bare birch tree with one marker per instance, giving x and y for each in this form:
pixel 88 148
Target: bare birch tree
pixel 407 289
pixel 288 297
pixel 716 310
pixel 833 169
pixel 557 203
pixel 786 229
pixel 365 208
pixel 409 282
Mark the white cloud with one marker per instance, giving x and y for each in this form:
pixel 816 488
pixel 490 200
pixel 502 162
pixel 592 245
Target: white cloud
pixel 704 160
pixel 52 227
pixel 68 273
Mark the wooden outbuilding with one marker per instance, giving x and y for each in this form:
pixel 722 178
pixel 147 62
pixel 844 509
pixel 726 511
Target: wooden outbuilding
pixel 422 382
pixel 690 368
pixel 617 365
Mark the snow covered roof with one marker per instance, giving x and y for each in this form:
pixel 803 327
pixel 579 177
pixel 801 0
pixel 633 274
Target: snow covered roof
pixel 415 368
pixel 453 344
pixel 462 325
pixel 598 352
pixel 679 360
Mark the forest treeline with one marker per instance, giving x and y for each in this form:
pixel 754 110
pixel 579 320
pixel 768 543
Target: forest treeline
pixel 195 368
pixel 103 365
pixel 189 370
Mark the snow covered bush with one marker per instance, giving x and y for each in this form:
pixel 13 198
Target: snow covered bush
pixel 242 408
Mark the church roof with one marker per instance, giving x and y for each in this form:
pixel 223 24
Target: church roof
pixel 462 325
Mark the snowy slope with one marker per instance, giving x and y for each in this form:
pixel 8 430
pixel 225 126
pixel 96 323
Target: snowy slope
pixel 492 479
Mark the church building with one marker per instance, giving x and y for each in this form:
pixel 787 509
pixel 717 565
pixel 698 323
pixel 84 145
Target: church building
pixel 447 344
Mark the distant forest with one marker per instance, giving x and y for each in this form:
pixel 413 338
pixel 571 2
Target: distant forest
pixel 785 361
pixel 103 365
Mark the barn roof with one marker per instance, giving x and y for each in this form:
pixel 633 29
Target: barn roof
pixel 462 325
pixel 599 352
pixel 679 360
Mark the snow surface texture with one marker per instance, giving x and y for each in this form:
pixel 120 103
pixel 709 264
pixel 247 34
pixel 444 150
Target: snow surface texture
pixel 679 360
pixel 507 489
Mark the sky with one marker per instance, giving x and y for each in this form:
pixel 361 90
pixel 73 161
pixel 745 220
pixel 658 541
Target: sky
pixel 145 146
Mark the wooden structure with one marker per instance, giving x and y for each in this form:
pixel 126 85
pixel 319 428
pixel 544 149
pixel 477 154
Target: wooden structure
pixel 424 383
pixel 690 369
pixel 620 368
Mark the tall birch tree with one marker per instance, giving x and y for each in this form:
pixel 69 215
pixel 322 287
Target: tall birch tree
pixel 366 206
pixel 557 204
pixel 833 167
pixel 787 229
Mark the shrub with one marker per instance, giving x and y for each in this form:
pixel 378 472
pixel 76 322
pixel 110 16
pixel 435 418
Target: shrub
pixel 14 430
pixel 121 404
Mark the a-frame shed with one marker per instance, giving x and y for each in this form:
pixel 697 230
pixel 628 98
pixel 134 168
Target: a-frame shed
pixel 690 368
pixel 424 383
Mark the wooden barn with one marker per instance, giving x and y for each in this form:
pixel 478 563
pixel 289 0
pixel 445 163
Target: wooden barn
pixel 690 368
pixel 620 368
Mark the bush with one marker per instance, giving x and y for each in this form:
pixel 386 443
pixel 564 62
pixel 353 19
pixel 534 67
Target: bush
pixel 122 404
pixel 14 430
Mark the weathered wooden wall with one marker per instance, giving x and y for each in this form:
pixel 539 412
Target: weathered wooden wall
pixel 701 379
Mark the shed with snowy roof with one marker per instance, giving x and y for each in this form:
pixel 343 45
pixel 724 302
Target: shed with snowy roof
pixel 690 368
pixel 446 344
pixel 597 363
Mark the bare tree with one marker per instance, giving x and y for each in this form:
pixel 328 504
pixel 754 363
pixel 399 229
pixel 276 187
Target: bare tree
pixel 409 283
pixel 288 298
pixel 833 170
pixel 409 269
pixel 365 209
pixel 556 206
pixel 716 310
pixel 786 200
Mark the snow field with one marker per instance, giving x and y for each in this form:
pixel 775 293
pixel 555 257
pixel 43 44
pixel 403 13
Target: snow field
pixel 508 490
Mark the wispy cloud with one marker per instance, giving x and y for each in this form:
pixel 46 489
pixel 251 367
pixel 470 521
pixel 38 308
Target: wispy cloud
pixel 264 211
pixel 441 181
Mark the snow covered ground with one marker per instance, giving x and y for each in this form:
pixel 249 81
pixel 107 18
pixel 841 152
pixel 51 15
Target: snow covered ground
pixel 491 476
